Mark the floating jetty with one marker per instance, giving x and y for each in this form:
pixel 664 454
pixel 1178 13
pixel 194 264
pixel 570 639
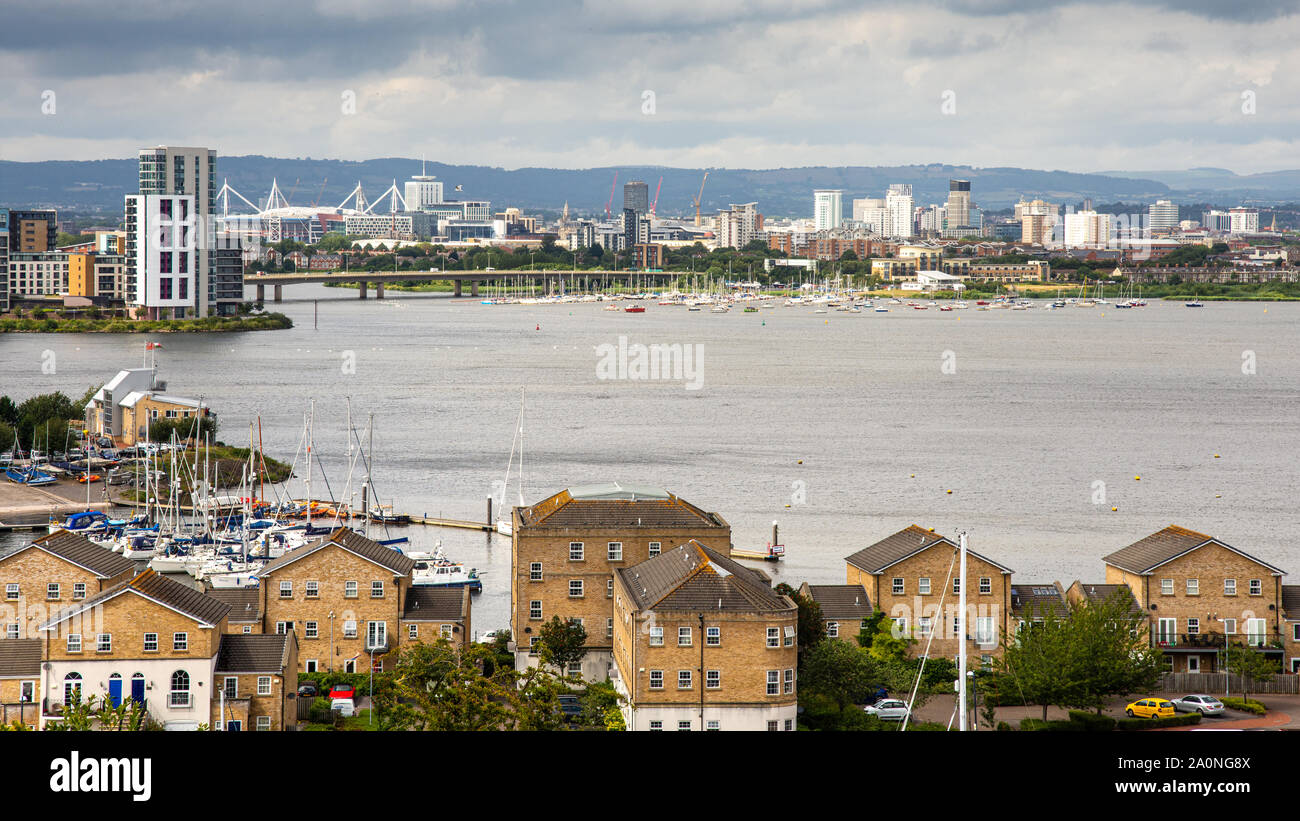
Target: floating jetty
pixel 774 552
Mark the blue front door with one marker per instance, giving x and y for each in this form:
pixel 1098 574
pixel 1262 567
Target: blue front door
pixel 115 690
pixel 137 690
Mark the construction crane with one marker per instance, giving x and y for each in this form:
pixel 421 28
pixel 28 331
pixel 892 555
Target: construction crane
pixel 289 198
pixel 655 201
pixel 321 194
pixel 610 203
pixel 698 197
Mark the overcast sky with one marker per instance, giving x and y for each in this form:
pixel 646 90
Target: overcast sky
pixel 736 83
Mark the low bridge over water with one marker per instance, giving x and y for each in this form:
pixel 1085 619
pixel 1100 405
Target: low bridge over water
pixel 550 281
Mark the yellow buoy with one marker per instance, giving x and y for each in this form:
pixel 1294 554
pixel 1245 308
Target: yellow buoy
pixel 950 491
pixel 1218 495
pixel 912 476
pixel 1114 508
pixel 1137 478
pixel 1216 456
pixel 800 462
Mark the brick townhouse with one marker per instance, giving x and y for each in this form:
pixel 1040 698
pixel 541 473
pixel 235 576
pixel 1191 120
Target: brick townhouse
pixel 566 549
pixel 1199 593
pixel 1291 626
pixel 256 682
pixel 913 577
pixel 20 681
pixel 845 608
pixel 703 643
pixel 51 573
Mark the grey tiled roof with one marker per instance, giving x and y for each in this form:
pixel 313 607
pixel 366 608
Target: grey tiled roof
pixel 79 550
pixel 840 601
pixel 696 577
pixel 351 540
pixel 1029 599
pixel 253 653
pixel 430 603
pixel 906 542
pixel 245 602
pixel 182 598
pixel 20 657
pixel 1102 592
pixel 1148 553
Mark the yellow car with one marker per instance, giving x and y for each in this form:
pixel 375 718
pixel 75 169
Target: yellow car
pixel 1151 708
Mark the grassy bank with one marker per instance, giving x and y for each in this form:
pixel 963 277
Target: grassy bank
pixel 210 324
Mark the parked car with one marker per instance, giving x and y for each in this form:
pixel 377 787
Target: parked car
pixel 489 637
pixel 1151 708
pixel 1205 705
pixel 345 707
pixel 308 690
pixel 343 691
pixel 887 709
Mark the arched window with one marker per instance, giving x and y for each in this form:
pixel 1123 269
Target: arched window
pixel 71 687
pixel 180 695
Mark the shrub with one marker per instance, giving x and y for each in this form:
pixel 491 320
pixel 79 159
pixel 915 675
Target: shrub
pixel 1092 722
pixel 1004 727
pixel 1158 723
pixel 1247 705
pixel 1038 725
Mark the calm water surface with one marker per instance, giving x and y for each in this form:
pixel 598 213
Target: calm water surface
pixel 843 427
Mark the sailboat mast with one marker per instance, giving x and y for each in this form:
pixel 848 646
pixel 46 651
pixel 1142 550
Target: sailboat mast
pixel 961 635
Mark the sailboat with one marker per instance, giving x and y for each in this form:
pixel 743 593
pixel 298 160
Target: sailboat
pixel 505 526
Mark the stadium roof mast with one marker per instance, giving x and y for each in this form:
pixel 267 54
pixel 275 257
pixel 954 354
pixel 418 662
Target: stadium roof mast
pixel 223 196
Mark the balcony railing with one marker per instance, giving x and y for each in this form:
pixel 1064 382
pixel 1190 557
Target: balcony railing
pixel 1217 640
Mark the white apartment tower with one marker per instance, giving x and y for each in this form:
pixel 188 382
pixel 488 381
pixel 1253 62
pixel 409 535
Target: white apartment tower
pixel 1162 215
pixel 163 258
pixel 737 226
pixel 828 208
pixel 180 172
pixel 1088 229
pixel 898 206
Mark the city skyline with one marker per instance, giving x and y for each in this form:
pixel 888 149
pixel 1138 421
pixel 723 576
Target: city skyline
pixel 1053 86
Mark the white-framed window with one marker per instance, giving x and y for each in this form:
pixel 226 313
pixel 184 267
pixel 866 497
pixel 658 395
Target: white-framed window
pixel 683 637
pixel 656 726
pixel 230 687
pixel 655 548
pixel 248 628
pixel 350 666
pixel 683 726
pixel 312 590
pixel 896 586
pixel 789 635
pixel 1295 632
pixel 986 585
pixel 350 628
pixel 774 726
pixel 151 642
pixel 263 723
pixel 79 590
pixel 349 590
pixel 616 551
pixel 104 643
pixel 1229 587
pixel 1193 627
pixel 984 630
pixel 656 637
pixel 74 642
pixel 311 665
pixel 377 589
pixel 956 585
pixel 310 630
pixel 286 590
pixel 774 637
pixel 924 624
pixel 609 588
pixel 574 668
pixel 535 609
pixel 71 687
pixel 684 679
pixel 52 590
pixel 11 592
pixel 180 691
pixel 27 692
pixel 412 632
pixel 1256 587
pixel 656 679
pixel 444 630
pixel 713 725
pixel 713 636
pixel 1193 587
pixel 575 588
pixel 789 680
pixel 11 630
pixel 264 685
pixel 535 572
pixel 922 585
pixel 773 685
pixel 609 628
pixel 376 634
pixel 575 551
pixel 283 627
pixel 900 626
pixel 1167 631
pixel 1229 627
pixel 713 679
pixel 1166 587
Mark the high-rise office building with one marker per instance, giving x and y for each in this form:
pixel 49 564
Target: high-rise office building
pixel 1162 215
pixel 636 196
pixel 828 208
pixel 1243 221
pixel 422 193
pixel 4 259
pixel 174 173
pixel 958 203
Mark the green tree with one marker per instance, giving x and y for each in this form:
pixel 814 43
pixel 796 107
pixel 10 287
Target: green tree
pixel 561 642
pixel 811 627
pixel 1110 651
pixel 1036 660
pixel 1251 664
pixel 840 673
pixel 446 689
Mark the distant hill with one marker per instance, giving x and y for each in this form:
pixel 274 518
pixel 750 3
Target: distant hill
pixel 101 184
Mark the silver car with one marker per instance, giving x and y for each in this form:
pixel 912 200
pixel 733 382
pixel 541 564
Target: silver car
pixel 1205 705
pixel 889 709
